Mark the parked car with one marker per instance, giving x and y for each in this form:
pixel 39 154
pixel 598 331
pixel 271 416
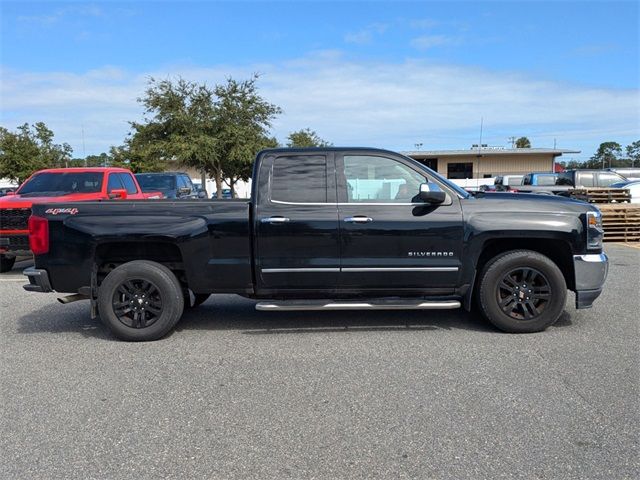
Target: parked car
pixel 572 179
pixel 507 182
pixel 540 178
pixel 633 187
pixel 177 185
pixel 53 186
pixel 325 229
pixel 226 193
pixel 628 173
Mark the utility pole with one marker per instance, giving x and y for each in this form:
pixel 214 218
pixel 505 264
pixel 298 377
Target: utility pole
pixel 418 146
pixel 84 152
pixel 513 142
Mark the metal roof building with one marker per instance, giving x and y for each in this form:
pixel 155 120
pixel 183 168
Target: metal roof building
pixel 489 162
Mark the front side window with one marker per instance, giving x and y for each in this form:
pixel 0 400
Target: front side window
pixel 299 179
pixel 606 179
pixel 128 183
pixel 380 180
pixel 114 183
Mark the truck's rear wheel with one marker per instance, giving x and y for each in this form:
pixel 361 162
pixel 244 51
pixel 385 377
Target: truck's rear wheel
pixel 6 263
pixel 522 291
pixel 140 301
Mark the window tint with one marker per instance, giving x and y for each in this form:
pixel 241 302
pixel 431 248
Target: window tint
pixel 114 183
pixel 299 179
pixel 186 182
pixel 128 183
pixel 54 183
pixel 380 179
pixel 527 180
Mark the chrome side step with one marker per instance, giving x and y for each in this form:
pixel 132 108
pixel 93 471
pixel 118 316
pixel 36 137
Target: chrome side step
pixel 396 304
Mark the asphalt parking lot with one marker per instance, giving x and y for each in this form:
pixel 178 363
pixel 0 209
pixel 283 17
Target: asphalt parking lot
pixel 235 393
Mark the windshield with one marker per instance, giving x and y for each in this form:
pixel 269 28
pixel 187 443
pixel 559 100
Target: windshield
pixel 62 183
pixel 156 182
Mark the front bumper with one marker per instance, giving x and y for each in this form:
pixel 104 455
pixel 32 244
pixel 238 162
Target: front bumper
pixel 591 272
pixel 38 280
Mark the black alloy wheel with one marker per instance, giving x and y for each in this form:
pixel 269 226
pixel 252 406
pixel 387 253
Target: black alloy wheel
pixel 137 303
pixel 140 301
pixel 521 291
pixel 524 293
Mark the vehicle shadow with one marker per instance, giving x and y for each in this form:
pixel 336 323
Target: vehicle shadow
pixel 239 314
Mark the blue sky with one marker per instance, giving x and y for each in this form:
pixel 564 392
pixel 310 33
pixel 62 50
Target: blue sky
pixel 388 74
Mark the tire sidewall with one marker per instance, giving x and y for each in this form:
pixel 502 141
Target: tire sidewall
pixel 6 263
pixel 495 271
pixel 170 294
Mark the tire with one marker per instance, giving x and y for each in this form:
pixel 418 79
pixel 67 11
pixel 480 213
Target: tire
pixel 140 301
pixel 6 263
pixel 522 291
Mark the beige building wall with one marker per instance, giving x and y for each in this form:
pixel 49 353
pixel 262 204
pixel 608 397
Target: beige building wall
pixel 493 165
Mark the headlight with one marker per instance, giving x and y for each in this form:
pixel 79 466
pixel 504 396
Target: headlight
pixel 595 232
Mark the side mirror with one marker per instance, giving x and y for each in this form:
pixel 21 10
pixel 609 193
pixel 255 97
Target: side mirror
pixel 120 193
pixel 431 193
pixel 184 190
pixel 201 194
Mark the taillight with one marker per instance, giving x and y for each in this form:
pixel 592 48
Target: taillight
pixel 38 235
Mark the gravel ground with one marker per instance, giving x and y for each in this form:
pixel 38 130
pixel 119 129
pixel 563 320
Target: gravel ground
pixel 235 393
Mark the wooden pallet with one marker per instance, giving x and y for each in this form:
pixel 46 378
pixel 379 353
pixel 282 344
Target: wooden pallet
pixel 601 195
pixel 621 222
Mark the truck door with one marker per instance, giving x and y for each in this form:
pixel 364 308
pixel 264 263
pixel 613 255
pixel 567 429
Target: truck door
pixel 296 223
pixel 389 238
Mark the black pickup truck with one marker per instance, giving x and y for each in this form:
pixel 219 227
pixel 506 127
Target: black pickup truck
pixel 325 229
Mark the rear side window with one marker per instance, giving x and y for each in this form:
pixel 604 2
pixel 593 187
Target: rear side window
pixel 128 183
pixel 300 179
pixel 546 180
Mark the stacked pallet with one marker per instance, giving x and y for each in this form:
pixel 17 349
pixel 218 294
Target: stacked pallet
pixel 601 195
pixel 621 222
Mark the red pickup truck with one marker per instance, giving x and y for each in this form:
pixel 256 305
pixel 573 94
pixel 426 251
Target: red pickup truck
pixel 59 185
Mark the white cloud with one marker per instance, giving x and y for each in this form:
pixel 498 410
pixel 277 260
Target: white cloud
pixel 348 102
pixel 426 42
pixel 366 35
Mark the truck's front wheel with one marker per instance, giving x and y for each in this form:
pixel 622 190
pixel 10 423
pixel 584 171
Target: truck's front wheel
pixel 522 291
pixel 140 301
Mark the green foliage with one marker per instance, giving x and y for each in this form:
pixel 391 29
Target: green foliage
pixel 28 149
pixel 633 153
pixel 607 155
pixel 305 138
pixel 523 142
pixel 217 131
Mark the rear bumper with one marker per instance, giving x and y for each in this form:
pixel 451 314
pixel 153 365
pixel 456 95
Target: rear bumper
pixel 38 280
pixel 591 272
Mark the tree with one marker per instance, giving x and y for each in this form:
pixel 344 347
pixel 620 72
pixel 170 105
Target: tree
pixel 217 131
pixel 633 152
pixel 29 149
pixel 607 155
pixel 305 138
pixel 241 128
pixel 523 142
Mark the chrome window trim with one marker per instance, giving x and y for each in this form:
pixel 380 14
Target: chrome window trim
pixel 350 204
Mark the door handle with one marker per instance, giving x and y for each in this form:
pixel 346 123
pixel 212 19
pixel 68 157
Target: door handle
pixel 358 219
pixel 274 220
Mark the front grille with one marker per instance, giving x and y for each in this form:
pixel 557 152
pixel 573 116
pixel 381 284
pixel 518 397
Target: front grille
pixel 14 218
